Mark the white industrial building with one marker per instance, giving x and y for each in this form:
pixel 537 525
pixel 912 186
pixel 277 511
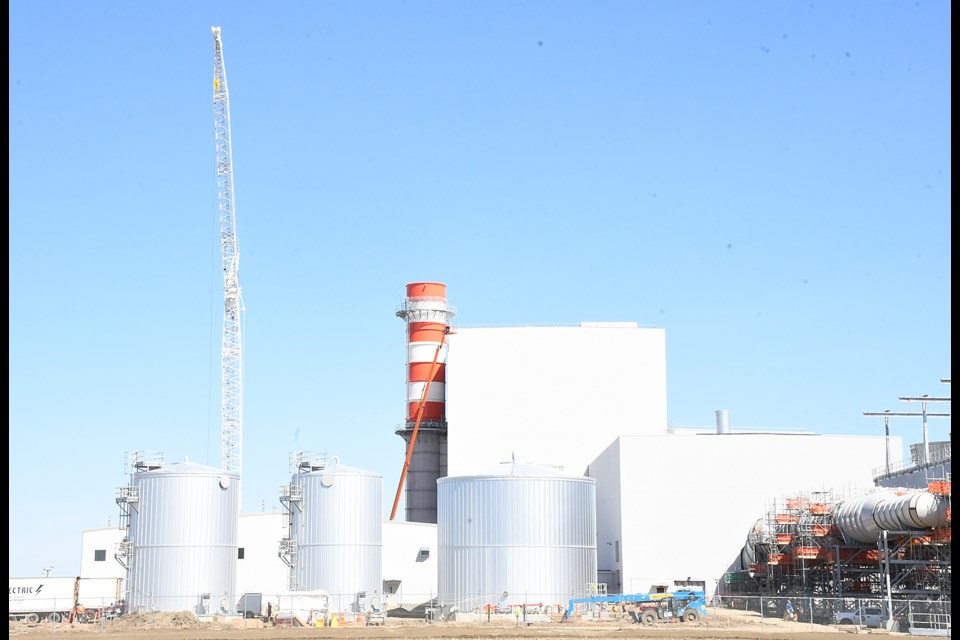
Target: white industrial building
pixel 97 555
pixel 592 399
pixel 409 558
pixel 259 567
pixel 554 396
pixel 679 506
pixel 409 564
pixel 587 400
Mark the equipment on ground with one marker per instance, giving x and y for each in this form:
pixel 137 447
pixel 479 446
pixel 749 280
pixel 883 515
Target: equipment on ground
pixel 301 608
pixel 376 619
pixel 682 605
pixel 868 616
pixel 62 599
pixel 250 605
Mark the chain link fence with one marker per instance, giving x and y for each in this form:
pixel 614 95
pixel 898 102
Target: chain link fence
pixel 918 617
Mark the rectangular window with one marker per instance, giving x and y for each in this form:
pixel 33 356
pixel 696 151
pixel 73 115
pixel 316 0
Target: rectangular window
pixel 240 553
pixel 391 586
pixel 99 555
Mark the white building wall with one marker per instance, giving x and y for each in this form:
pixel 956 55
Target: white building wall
pixel 688 500
pixel 611 496
pixel 535 391
pixel 101 543
pixel 917 478
pixel 261 570
pixel 409 577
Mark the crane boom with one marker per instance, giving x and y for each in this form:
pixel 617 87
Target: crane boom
pixel 231 416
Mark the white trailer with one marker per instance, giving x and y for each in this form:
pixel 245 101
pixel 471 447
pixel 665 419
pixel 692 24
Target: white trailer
pixel 52 599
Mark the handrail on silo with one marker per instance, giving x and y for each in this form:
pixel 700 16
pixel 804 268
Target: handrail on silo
pixel 143 461
pixel 306 461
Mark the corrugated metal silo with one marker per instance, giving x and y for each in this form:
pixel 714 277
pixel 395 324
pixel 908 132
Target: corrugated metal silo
pixel 336 532
pixel 181 545
pixel 518 534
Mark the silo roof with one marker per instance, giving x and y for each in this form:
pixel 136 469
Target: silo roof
pixel 345 470
pixel 189 468
pixel 514 469
pixel 323 466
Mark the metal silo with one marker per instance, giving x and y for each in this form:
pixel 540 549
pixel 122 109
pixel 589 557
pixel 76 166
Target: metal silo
pixel 335 538
pixel 181 544
pixel 520 534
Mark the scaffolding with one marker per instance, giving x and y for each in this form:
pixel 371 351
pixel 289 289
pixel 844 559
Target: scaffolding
pixel 128 499
pixel 800 552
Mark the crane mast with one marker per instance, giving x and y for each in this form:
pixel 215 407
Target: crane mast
pixel 231 416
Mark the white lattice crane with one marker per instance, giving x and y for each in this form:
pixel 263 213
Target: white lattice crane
pixel 231 416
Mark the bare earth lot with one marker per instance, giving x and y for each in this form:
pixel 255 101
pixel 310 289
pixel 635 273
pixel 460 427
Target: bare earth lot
pixel 721 625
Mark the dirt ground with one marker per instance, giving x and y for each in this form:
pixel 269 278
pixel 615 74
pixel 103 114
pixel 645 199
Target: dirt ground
pixel 722 624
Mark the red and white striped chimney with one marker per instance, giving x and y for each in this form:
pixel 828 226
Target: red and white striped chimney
pixel 427 315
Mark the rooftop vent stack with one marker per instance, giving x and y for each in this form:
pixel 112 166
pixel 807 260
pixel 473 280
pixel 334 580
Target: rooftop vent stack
pixel 427 315
pixel 723 421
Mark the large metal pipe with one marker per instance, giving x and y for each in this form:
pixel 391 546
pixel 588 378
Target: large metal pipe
pixel 912 511
pixel 862 519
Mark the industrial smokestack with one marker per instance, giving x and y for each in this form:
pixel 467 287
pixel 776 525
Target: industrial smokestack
pixel 427 315
pixel 723 421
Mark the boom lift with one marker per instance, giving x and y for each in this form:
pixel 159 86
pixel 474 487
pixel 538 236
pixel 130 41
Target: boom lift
pixel 683 605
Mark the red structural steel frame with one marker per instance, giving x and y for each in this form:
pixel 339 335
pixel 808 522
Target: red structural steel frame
pixel 416 426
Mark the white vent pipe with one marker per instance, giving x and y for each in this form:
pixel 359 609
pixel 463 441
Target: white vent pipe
pixel 723 421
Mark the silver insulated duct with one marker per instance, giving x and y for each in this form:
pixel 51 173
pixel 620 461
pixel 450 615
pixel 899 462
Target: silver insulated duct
pixel 517 534
pixel 861 519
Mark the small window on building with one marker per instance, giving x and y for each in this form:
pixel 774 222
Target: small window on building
pixel 239 553
pixel 423 554
pixel 99 555
pixel 391 586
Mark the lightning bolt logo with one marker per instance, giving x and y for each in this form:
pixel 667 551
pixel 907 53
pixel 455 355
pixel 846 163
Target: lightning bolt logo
pixel 39 588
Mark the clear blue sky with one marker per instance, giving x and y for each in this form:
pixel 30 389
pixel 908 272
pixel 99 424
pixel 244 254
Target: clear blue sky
pixel 767 181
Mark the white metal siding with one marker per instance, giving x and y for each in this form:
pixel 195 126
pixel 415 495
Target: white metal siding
pixel 103 540
pixel 413 577
pixel 687 501
pixel 262 570
pixel 552 395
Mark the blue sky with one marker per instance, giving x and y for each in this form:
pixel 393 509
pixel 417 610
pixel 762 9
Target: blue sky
pixel 767 181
